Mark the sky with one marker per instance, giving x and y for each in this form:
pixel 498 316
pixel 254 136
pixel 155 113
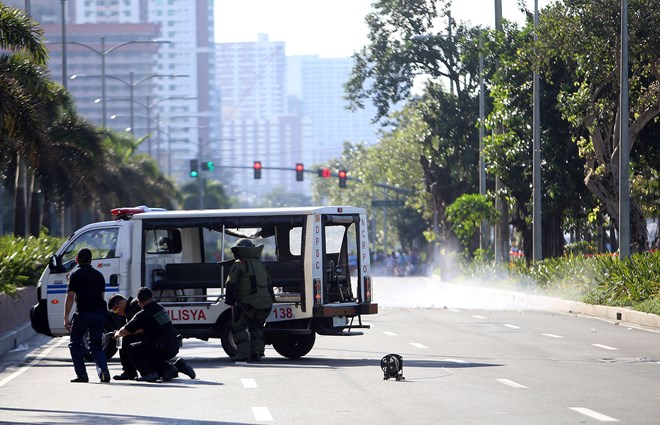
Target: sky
pixel 330 29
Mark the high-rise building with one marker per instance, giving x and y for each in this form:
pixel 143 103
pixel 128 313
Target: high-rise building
pixel 317 86
pixel 255 123
pixel 163 92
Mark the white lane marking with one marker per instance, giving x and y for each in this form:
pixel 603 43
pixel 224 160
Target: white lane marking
pixel 249 383
pixel 510 383
pixel 388 333
pixel 418 345
pixel 33 362
pixel 606 347
pixel 261 414
pixel 594 415
pixel 476 316
pixel 454 310
pixel 509 325
pixel 552 335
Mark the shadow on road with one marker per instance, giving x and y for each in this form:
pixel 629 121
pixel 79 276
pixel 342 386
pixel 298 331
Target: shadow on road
pixel 51 417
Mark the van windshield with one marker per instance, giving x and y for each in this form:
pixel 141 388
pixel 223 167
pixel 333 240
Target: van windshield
pixel 102 243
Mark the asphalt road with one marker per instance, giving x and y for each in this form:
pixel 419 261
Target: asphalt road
pixel 470 356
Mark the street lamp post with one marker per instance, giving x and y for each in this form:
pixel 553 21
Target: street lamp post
pixel 148 105
pixel 103 53
pixel 131 85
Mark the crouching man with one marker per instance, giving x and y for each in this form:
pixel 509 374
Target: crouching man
pixel 159 341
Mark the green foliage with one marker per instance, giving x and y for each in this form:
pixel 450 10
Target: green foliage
pixel 602 279
pixel 633 282
pixel 583 38
pixel 466 215
pixel 580 248
pixel 22 260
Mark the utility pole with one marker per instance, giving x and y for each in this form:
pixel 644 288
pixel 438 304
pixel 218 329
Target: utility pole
pixel 502 228
pixel 482 135
pixel 624 179
pixel 536 161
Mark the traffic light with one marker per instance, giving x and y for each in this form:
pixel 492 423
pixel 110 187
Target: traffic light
pixel 342 178
pixel 194 168
pixel 300 170
pixel 209 166
pixel 257 169
pixel 324 172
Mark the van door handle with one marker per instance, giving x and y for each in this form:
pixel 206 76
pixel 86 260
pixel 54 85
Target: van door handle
pixel 114 280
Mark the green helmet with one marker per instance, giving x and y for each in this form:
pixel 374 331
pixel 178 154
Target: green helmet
pixel 245 248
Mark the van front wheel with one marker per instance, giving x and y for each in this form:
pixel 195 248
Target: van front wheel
pixel 294 346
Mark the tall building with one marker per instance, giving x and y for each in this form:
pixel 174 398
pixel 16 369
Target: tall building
pixel 316 86
pixel 161 91
pixel 255 124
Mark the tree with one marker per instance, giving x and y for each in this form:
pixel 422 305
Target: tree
pixel 585 36
pixel 20 121
pixel 508 150
pixel 214 195
pixel 466 216
pixel 131 178
pixel 400 48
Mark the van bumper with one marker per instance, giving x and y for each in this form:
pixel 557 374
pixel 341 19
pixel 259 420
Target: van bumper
pixel 39 318
pixel 353 309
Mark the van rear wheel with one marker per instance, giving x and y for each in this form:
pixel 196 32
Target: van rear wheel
pixel 294 346
pixel 227 340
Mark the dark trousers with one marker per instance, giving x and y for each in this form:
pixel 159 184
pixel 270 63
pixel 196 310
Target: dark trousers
pixel 126 364
pixel 148 357
pixel 83 322
pixel 248 330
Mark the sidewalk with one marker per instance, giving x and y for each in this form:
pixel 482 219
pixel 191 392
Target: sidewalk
pixel 15 327
pixel 620 315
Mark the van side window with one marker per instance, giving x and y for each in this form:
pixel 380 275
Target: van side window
pixel 295 241
pixel 334 237
pixel 102 243
pixel 163 241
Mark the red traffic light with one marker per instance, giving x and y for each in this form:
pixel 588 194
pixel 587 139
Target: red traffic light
pixel 342 178
pixel 324 172
pixel 300 169
pixel 257 169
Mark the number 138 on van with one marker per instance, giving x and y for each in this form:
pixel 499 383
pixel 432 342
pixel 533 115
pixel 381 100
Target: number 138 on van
pixel 282 313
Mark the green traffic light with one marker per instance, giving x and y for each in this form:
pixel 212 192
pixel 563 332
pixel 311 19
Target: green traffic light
pixel 193 173
pixel 210 165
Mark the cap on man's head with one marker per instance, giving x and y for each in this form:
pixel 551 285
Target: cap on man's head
pixel 114 301
pixel 84 255
pixel 144 294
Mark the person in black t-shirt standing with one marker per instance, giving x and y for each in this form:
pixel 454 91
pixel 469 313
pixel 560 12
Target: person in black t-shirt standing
pixel 150 356
pixel 86 286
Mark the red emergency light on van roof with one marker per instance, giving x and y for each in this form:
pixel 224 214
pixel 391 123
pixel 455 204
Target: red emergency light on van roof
pixel 124 213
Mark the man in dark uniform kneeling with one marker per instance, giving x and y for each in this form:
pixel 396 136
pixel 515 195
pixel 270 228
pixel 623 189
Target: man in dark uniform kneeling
pixel 159 343
pixel 126 308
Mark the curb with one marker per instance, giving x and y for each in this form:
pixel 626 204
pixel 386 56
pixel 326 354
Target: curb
pixel 614 314
pixel 16 336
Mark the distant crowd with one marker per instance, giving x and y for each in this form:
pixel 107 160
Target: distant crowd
pixel 400 263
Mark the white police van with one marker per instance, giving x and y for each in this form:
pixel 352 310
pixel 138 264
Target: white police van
pixel 184 256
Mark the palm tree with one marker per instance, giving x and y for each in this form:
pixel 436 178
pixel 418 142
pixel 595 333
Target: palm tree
pixel 132 178
pixel 21 119
pixel 213 192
